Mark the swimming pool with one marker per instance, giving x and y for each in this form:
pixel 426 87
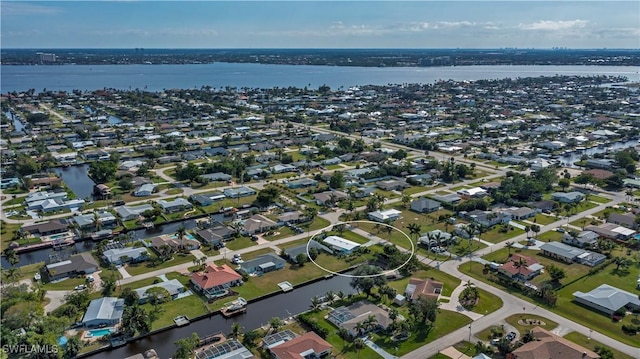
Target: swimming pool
pixel 97 333
pixel 58 236
pixel 189 236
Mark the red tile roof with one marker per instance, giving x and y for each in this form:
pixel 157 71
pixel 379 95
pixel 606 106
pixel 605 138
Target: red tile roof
pixel 214 276
pixel 293 348
pixel 549 345
pixel 426 287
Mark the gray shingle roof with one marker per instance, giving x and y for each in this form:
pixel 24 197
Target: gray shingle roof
pixel 609 297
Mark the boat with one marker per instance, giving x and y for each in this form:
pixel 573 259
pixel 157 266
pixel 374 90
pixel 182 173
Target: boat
pixel 60 245
pixel 235 307
pixel 37 276
pixel 148 225
pixel 181 320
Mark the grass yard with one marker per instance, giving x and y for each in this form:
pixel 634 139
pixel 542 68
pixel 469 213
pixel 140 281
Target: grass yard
pixel 239 243
pixel 65 284
pixel 495 236
pixel 550 236
pixel 446 322
pixel 190 306
pixel 28 271
pixel 144 267
pixel 592 344
pixel 488 303
pixel 415 189
pixel 599 199
pixel 543 219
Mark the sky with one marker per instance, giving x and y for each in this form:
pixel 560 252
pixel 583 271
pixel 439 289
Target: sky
pixel 319 24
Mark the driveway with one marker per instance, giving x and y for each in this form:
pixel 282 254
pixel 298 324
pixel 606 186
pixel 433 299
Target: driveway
pixel 56 299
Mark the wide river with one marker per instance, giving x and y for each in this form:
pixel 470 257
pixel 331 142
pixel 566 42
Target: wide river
pixel 159 77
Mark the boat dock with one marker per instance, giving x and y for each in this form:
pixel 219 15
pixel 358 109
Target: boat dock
pixel 285 286
pixel 181 320
pixel 236 307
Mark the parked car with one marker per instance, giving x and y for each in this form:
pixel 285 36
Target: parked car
pixel 90 278
pixel 81 287
pixel 511 336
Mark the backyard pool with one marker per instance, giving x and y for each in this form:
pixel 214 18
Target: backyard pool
pixel 58 236
pixel 189 236
pixel 97 333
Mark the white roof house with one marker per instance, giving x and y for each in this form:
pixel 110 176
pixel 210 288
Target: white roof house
pixel 105 310
pixel 607 299
pixel 382 216
pixel 116 255
pixel 473 192
pixel 341 244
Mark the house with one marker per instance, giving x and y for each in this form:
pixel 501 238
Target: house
pixel 205 199
pixel 263 264
pixel 392 185
pixel 88 221
pixel 302 183
pixel 601 163
pixel 216 234
pixel 487 219
pixel 612 231
pixel 46 181
pixel 623 219
pixel 55 204
pixel 291 217
pixel 451 198
pixel 529 269
pixel 475 192
pixel 258 224
pixel 46 195
pixel 362 192
pixel 9 182
pixel 544 206
pixel 218 176
pixel 340 244
pixel 80 264
pixel 435 238
pixel 384 216
pixel 237 192
pixel 349 317
pixel 330 197
pixel 173 286
pixel 569 254
pixel 228 349
pixel 46 228
pixel 520 213
pixel 550 345
pixel 127 212
pixel 145 190
pixel 425 205
pixel 125 255
pixel 177 205
pixel 103 311
pixel 607 299
pixel 308 345
pixel 293 252
pixel 187 242
pixel 102 190
pixel 214 281
pixel 281 168
pixel 429 288
pixel 567 197
pixel 584 239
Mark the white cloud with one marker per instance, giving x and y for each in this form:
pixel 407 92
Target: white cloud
pixel 549 25
pixel 21 8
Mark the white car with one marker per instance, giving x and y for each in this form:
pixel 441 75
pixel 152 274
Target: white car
pixel 81 287
pixel 90 278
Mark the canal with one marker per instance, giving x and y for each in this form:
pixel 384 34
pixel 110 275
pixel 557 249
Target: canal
pixel 77 179
pixel 575 156
pixel 258 314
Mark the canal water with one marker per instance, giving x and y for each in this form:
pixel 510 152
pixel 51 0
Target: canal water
pixel 575 156
pixel 258 314
pixel 77 179
pixel 17 124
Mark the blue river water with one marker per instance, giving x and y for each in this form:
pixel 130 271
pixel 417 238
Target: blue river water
pixel 220 75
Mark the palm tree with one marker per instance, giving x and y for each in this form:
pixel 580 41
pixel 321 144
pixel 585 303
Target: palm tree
pixel 236 330
pixel 315 303
pixel 509 245
pixel 360 328
pixel 414 230
pixel 371 322
pixel 519 264
pixel 359 344
pixel 275 323
pixel 406 199
pixel 340 295
pixel 96 221
pixel 181 232
pixel 330 297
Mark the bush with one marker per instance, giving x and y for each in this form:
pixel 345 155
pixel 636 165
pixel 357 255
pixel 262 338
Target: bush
pixel 631 329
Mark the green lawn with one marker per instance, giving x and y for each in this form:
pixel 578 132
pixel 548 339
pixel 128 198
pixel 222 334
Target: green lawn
pixel 144 267
pixel 415 189
pixel 239 243
pixel 488 303
pixel 543 219
pixel 450 282
pixel 495 236
pixel 65 284
pixel 190 306
pixel 599 199
pixel 535 320
pixel 592 344
pixel 28 271
pixel 550 236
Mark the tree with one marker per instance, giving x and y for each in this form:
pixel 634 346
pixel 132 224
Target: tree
pixel 157 295
pixel 424 309
pixel 535 229
pixel 135 319
pixel 622 262
pixel 604 352
pixel 25 165
pixel 267 196
pixel 509 245
pixel 236 330
pixel 130 296
pixel 315 303
pixel 275 323
pixel 519 264
pixel 103 171
pixel 186 346
pixel 414 230
pixel 108 286
pixel 359 344
pixel 125 184
pixel 556 273
pixel 406 199
pixel 72 348
pixel 190 172
pixel 337 180
pixel 249 338
pixel 180 233
pixel 366 277
pixel 301 259
pixel 564 183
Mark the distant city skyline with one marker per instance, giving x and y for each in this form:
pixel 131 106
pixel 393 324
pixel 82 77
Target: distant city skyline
pixel 313 24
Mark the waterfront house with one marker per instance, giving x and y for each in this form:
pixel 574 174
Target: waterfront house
pixel 528 270
pixel 567 197
pixel 119 256
pixel 145 190
pixel 308 345
pixel 45 228
pixel 216 234
pixel 215 281
pixel 228 349
pixel 102 190
pixel 105 311
pixel 188 242
pixel 428 288
pixel 237 192
pixel 607 299
pixel 88 221
pixel 385 215
pixel 258 224
pixel 173 286
pixel 80 264
pixel 176 205
pixel 263 264
pixel 340 244
pixel 127 212
pixel 425 205
pixel 550 345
